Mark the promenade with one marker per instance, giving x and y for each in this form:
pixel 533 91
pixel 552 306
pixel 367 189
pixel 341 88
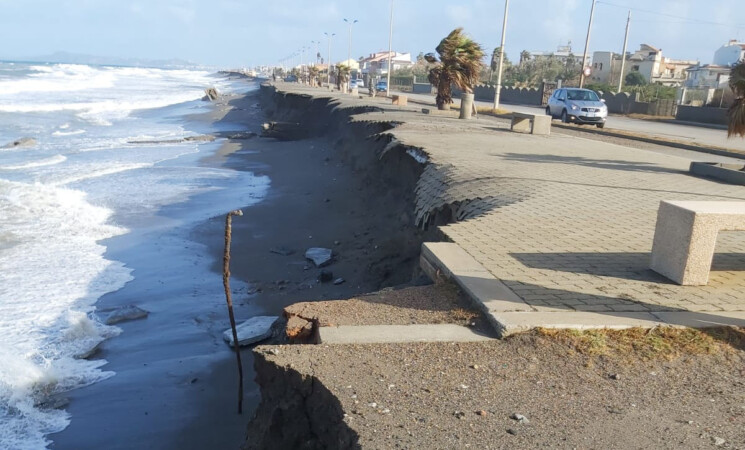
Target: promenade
pixel 565 223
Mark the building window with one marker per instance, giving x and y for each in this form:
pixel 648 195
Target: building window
pixel 635 68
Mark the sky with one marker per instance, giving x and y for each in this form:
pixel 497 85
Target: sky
pixel 246 33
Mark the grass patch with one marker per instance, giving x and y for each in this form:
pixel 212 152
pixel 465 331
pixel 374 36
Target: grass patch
pixel 485 110
pixel 642 343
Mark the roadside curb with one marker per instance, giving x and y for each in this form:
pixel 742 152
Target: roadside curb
pixel 509 314
pixel 652 140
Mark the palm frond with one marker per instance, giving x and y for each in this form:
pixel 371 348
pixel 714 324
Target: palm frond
pixel 460 64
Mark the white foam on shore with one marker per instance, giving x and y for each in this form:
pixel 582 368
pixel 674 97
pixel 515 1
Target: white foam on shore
pixel 58 203
pixel 49 280
pixel 40 163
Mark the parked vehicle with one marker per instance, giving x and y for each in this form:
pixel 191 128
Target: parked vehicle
pixel 360 82
pixel 381 86
pixel 353 84
pixel 581 106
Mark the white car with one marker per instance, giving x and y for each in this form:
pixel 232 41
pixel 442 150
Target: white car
pixel 581 106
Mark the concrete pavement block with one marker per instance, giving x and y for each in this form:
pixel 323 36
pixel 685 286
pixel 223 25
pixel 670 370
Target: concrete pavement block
pixel 386 334
pixel 516 322
pixel 702 319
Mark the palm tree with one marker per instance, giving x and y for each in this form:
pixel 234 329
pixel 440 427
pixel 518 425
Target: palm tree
pixel 736 114
pixel 313 72
pixel 494 63
pixel 524 56
pixel 459 64
pixel 342 75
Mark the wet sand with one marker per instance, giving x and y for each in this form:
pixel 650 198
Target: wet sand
pixel 176 381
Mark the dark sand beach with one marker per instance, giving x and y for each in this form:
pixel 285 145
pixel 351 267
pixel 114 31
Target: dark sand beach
pixel 176 381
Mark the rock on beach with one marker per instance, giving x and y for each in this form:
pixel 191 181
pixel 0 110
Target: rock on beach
pixel 251 331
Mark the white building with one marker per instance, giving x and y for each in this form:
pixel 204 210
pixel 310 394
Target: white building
pixel 378 62
pixel 716 75
pixel 562 53
pixel 648 61
pixel 729 54
pixel 708 76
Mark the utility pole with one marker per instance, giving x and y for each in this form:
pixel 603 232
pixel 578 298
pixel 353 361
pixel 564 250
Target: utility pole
pixel 328 63
pixel 587 45
pixel 623 55
pixel 390 50
pixel 349 51
pixel 498 91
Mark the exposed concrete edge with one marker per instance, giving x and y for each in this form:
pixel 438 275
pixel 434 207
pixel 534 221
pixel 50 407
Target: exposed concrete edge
pixel 389 334
pixel 449 260
pixel 519 322
pixel 509 314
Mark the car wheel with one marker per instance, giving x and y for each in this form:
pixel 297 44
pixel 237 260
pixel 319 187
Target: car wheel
pixel 548 112
pixel 601 125
pixel 564 117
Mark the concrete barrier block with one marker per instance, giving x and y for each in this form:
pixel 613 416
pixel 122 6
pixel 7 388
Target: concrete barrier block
pixel 521 124
pixel 686 234
pixel 400 100
pixel 542 125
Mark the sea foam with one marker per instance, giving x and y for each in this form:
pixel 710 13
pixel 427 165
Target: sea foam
pixel 58 203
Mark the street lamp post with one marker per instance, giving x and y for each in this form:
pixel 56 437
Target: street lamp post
pixel 316 55
pixel 328 63
pixel 349 51
pixel 390 50
pixel 587 44
pixel 498 91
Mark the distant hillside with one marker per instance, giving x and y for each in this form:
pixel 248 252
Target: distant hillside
pixel 76 58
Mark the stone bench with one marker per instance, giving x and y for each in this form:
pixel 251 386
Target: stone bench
pixel 686 235
pixel 531 123
pixel 400 100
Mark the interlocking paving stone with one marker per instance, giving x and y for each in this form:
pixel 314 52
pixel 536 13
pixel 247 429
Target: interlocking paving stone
pixel 566 223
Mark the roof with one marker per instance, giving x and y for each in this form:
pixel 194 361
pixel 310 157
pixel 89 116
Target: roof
pixel 650 47
pixel 710 67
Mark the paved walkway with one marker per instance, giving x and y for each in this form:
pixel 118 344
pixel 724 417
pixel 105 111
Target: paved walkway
pixel 681 132
pixel 566 223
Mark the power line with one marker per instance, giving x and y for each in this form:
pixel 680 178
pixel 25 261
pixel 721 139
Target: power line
pixel 673 16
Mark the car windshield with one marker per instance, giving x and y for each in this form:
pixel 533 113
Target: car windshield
pixel 588 96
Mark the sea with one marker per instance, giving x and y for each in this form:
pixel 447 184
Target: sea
pixel 85 179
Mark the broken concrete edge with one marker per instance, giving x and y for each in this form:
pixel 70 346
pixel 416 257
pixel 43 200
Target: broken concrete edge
pixel 508 314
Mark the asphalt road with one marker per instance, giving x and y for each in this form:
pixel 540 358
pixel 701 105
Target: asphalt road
pixel 680 132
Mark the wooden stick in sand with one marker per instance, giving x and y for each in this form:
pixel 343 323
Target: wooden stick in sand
pixel 226 283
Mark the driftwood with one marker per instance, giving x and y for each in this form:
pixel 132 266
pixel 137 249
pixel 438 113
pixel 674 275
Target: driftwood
pixel 226 283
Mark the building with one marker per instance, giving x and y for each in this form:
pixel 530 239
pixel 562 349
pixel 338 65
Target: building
pixel 708 76
pixel 716 75
pixel 729 54
pixel 562 53
pixel 351 63
pixel 377 63
pixel 648 61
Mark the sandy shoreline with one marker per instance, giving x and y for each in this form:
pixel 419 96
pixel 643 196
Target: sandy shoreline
pixel 175 379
